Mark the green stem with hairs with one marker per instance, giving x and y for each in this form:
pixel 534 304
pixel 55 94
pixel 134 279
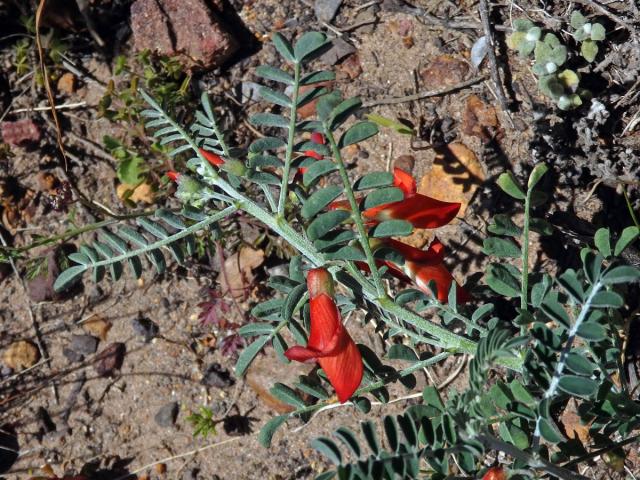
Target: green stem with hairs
pixel 286 169
pixel 355 213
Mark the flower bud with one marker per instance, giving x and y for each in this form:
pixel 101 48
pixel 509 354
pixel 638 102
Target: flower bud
pixel 319 281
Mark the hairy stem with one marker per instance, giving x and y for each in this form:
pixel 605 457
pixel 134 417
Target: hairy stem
pixel 525 252
pixel 562 360
pixel 355 213
pixel 292 132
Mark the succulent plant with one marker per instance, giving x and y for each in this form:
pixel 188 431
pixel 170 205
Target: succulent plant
pixel 549 54
pixel 588 33
pixel 525 36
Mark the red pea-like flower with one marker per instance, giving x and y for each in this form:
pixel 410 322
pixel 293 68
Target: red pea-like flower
pixel 318 139
pixel 212 158
pixel 420 210
pixel 495 473
pixel 329 342
pixel 422 267
pixel 173 176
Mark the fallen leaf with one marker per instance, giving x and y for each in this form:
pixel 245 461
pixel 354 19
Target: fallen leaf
pixel 140 193
pixel 98 326
pixel 110 359
pixel 454 175
pixel 572 425
pixel 479 120
pixel 351 66
pixel 309 110
pixel 238 270
pixel 67 83
pixel 40 286
pixel 20 355
pixel 444 71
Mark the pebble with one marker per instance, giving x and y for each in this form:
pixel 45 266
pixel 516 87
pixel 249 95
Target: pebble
pixel 110 359
pixel 84 344
pixel 216 376
pixel 167 415
pixel 325 10
pixel 145 328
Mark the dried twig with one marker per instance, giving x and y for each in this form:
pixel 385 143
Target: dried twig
pixel 64 106
pixel 493 63
pixel 47 85
pixel 427 94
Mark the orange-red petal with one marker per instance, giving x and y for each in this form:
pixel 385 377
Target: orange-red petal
pixel 421 211
pixel 404 182
pixel 317 137
pixel 313 154
pixel 344 370
pixel 442 278
pixel 173 176
pixel 212 158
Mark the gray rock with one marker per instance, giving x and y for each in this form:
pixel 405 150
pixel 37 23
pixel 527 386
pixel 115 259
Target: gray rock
pixel 216 376
pixel 145 328
pixel 72 355
pixel 325 10
pixel 339 50
pixel 167 415
pixel 84 344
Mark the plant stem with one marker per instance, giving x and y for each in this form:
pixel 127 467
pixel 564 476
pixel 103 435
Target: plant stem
pixel 525 253
pixel 355 213
pixel 166 241
pixel 292 132
pixel 630 208
pixel 562 360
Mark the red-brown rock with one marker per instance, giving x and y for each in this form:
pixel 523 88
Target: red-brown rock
pixel 188 29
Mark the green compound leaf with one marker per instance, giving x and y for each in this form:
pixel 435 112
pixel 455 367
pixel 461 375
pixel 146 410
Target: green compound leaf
pixel 284 48
pixel 628 235
pixel 508 183
pixel 326 222
pixel 272 73
pixel 503 279
pixel 249 354
pixel 577 385
pixel 383 196
pixel 317 170
pixel 69 277
pixel 358 133
pixel 503 225
pixel 308 44
pixel 269 120
pixel 319 200
pixel 500 247
pixel 287 395
pixel 389 123
pixel 373 180
pixel 602 239
pixel 549 431
pixel 589 50
pixel 392 228
pixel 328 448
pixel 266 433
pixel 598 33
pixel 623 274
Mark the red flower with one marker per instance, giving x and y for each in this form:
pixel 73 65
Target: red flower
pixel 495 473
pixel 173 176
pixel 420 210
pixel 212 158
pixel 329 342
pixel 318 139
pixel 422 267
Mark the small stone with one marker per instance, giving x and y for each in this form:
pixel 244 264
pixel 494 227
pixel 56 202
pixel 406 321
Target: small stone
pixel 67 83
pixel 406 163
pixel 216 376
pixel 40 287
pixel 146 328
pixel 72 355
pixel 84 344
pixel 325 10
pixel 339 49
pixel 110 359
pixel 20 355
pixel 167 415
